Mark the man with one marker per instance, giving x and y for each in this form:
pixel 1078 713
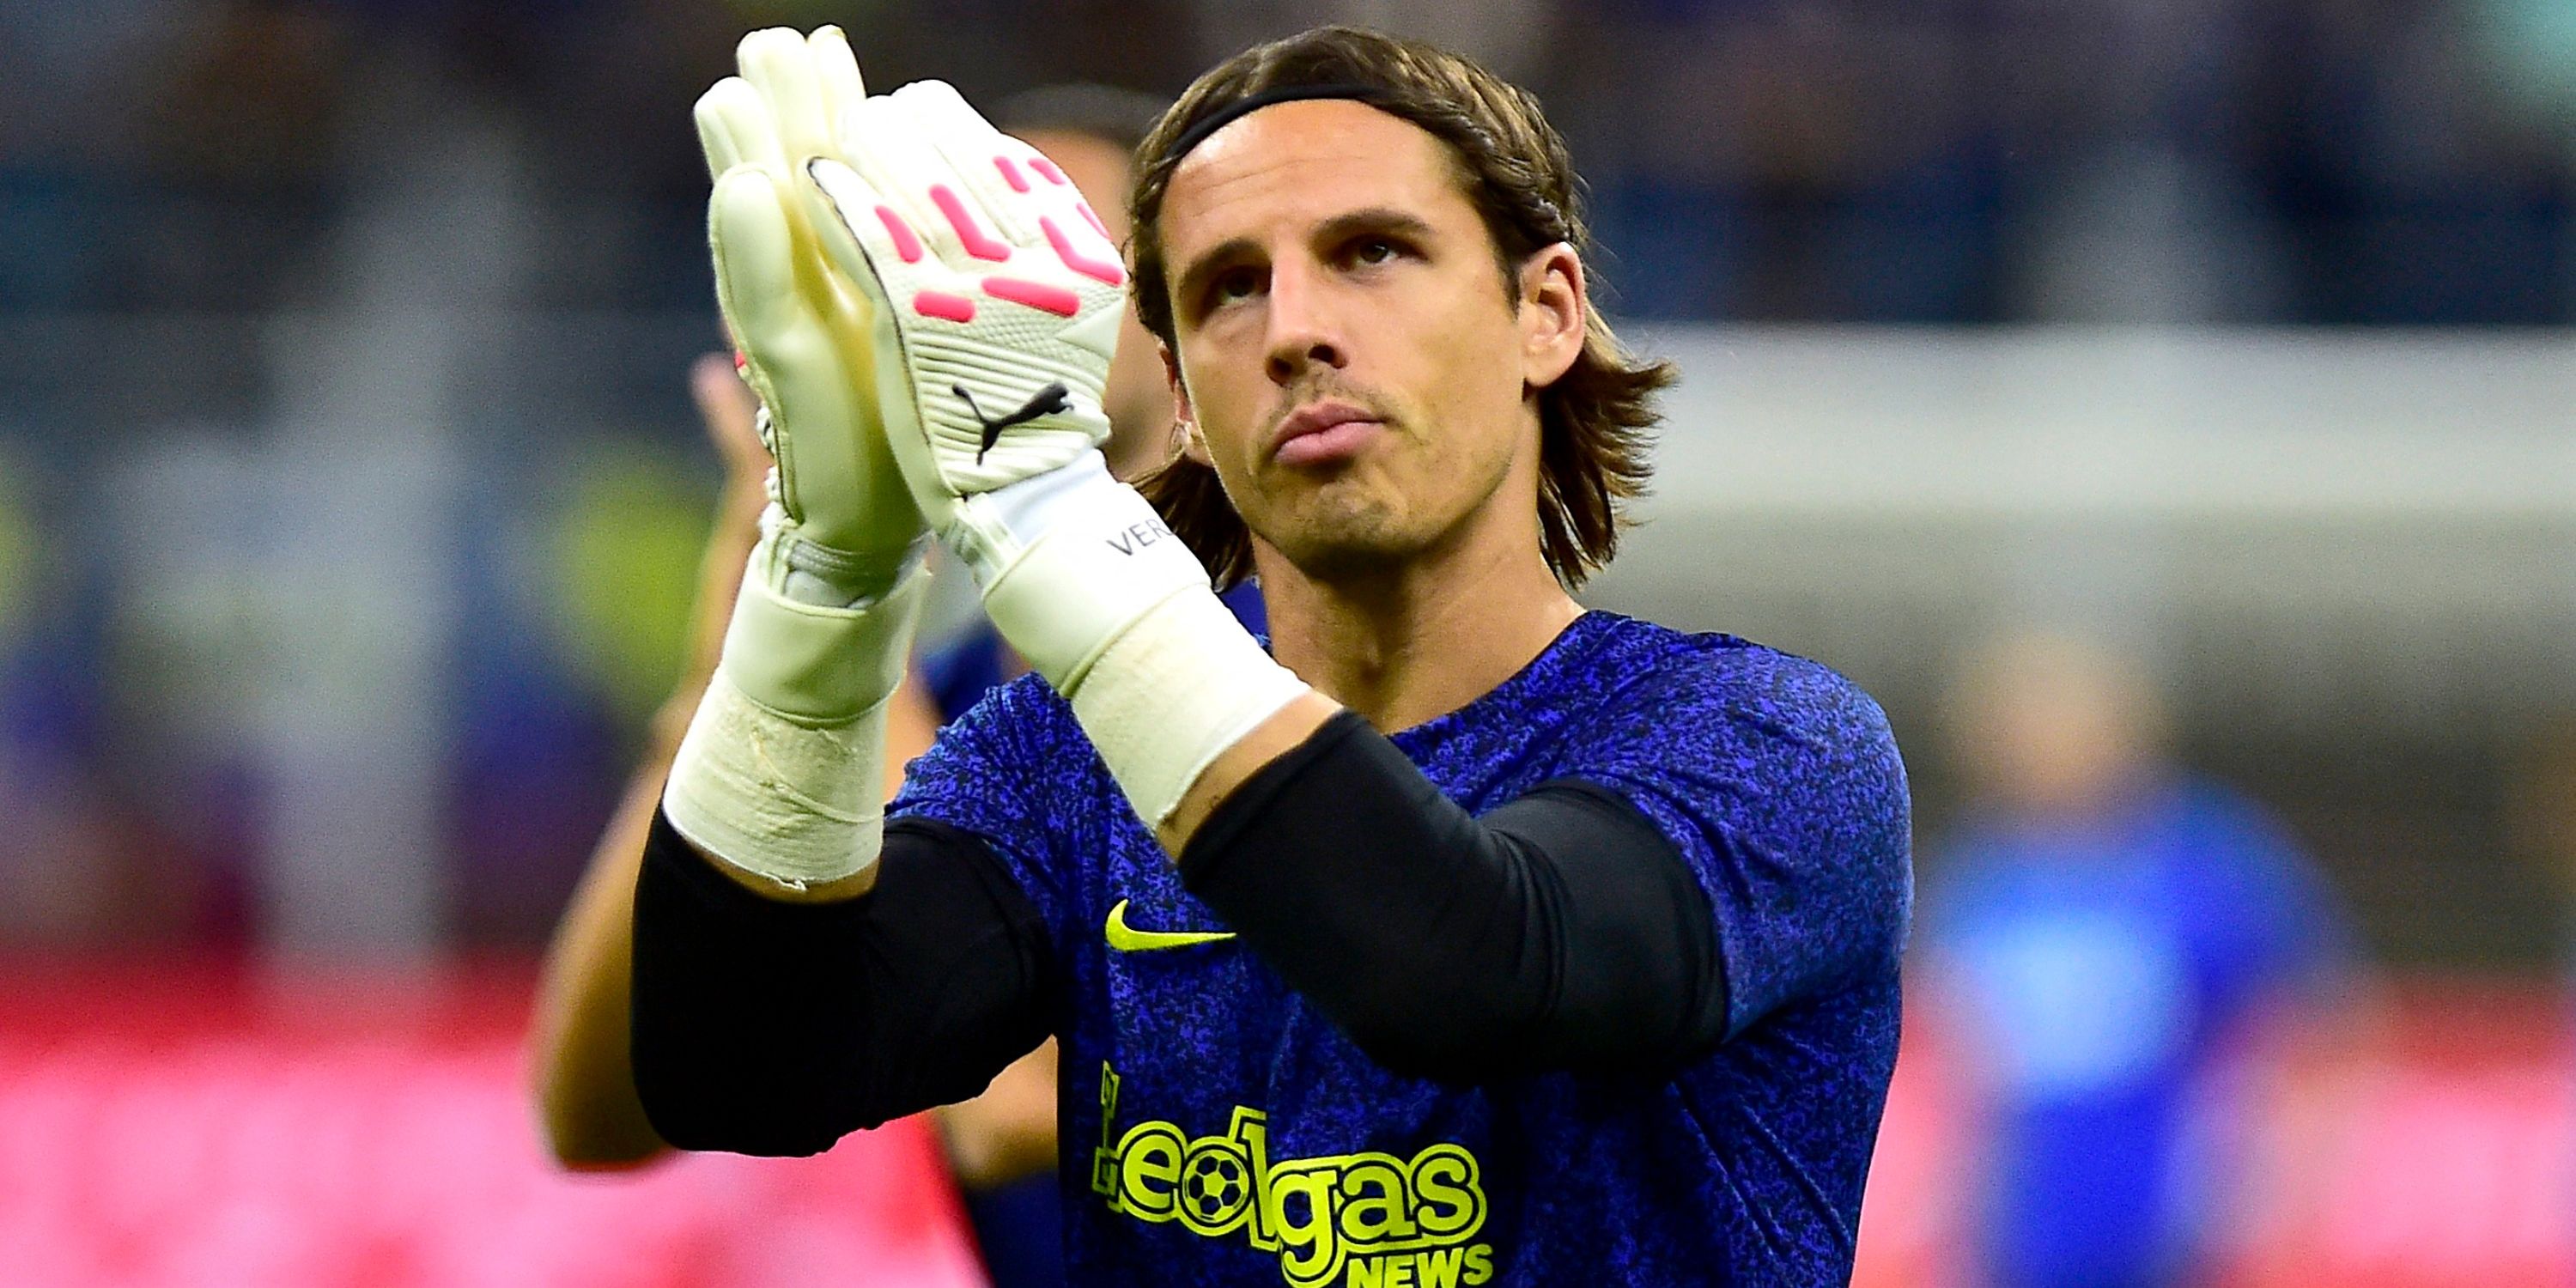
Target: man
pixel 1585 970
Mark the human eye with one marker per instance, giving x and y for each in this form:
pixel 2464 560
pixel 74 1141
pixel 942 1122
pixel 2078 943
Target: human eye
pixel 1234 284
pixel 1373 250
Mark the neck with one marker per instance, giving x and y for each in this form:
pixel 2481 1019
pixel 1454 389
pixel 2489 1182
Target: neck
pixel 1420 640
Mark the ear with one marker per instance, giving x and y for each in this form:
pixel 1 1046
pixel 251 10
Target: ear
pixel 1185 420
pixel 1554 310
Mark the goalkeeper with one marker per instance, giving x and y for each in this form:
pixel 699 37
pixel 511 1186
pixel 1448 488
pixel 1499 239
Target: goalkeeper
pixel 1463 935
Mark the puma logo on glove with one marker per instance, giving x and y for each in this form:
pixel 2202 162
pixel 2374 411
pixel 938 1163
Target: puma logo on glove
pixel 1049 401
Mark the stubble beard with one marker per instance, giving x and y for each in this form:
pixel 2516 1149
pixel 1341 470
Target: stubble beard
pixel 1370 524
pixel 1345 538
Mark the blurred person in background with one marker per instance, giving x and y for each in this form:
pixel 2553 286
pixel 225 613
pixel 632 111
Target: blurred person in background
pixel 1001 1144
pixel 2110 936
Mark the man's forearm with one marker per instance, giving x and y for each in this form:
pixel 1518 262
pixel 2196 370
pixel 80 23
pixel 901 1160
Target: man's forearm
pixel 578 1041
pixel 1008 1133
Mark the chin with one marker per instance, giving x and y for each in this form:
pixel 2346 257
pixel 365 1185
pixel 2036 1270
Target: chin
pixel 1348 547
pixel 1351 527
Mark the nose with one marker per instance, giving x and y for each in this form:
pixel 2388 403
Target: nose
pixel 1305 331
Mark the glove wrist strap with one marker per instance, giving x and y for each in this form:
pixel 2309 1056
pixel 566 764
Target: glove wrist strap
pixel 1172 693
pixel 1084 579
pixel 1067 560
pixel 817 662
pixel 782 771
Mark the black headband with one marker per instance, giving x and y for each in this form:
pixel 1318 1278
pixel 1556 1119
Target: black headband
pixel 1224 116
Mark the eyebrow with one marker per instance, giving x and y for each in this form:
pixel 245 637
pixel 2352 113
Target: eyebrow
pixel 1367 219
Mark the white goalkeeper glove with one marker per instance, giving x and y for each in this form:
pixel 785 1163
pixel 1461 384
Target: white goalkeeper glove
pixel 996 298
pixel 780 773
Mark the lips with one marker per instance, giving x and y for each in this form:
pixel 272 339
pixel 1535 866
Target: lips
pixel 1321 432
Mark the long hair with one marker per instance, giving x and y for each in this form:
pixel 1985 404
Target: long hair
pixel 1594 421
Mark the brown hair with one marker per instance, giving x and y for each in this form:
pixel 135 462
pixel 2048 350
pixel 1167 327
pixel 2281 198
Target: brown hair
pixel 1593 420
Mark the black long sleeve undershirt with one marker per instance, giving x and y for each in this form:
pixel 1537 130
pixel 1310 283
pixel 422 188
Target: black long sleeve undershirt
pixel 764 1027
pixel 1562 931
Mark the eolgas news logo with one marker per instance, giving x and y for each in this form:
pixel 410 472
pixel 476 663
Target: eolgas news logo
pixel 1364 1220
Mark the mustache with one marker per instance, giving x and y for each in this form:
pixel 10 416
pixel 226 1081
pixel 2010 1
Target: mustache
pixel 1333 388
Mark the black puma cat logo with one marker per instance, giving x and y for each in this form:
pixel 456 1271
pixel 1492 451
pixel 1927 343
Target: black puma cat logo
pixel 1045 402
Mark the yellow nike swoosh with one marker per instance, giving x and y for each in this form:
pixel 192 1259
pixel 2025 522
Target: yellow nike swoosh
pixel 1127 940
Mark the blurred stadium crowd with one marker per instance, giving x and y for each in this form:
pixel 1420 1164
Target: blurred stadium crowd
pixel 350 493
pixel 2301 161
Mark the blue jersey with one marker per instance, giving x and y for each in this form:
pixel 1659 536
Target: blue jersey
pixel 2100 967
pixel 1217 1129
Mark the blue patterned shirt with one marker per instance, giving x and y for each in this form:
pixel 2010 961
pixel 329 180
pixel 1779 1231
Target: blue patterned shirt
pixel 1217 1129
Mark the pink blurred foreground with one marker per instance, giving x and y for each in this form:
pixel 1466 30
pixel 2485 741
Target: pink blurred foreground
pixel 177 1126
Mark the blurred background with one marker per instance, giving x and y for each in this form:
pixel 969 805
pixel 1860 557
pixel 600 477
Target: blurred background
pixel 2168 410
